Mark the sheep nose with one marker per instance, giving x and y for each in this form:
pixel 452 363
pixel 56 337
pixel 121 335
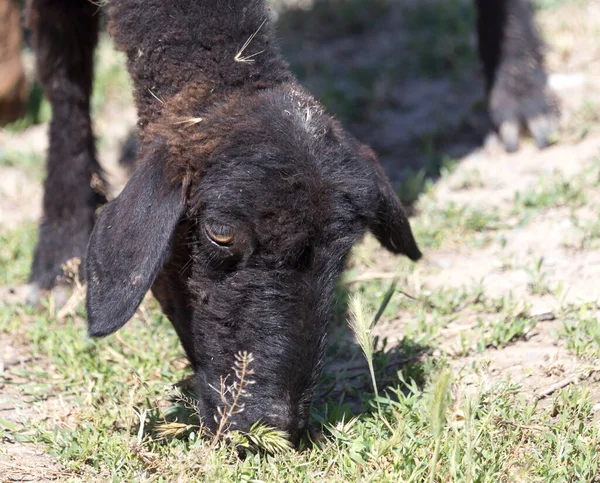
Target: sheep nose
pixel 281 416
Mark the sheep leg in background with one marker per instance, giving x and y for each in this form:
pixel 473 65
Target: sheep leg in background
pixel 64 35
pixel 511 52
pixel 13 87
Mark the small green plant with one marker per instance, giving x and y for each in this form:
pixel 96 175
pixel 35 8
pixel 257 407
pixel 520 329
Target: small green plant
pixel 266 438
pixel 361 322
pixel 469 180
pixel 552 191
pixel 16 249
pixel 504 331
pixel 439 408
pixel 581 331
pixel 590 230
pixel 539 284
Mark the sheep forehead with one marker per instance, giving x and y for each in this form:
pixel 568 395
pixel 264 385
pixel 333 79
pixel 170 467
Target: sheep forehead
pixel 278 119
pixel 279 196
pixel 305 109
pixel 278 158
pixel 283 208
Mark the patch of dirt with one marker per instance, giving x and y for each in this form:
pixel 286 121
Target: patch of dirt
pixel 540 363
pixel 15 187
pixel 18 184
pixel 21 461
pixel 25 463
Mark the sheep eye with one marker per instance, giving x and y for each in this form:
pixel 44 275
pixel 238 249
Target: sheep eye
pixel 220 234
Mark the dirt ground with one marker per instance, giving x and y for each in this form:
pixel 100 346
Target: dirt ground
pixel 20 461
pixel 406 117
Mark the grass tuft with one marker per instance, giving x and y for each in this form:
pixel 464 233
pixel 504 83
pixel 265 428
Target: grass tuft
pixel 439 408
pixel 362 322
pixel 266 438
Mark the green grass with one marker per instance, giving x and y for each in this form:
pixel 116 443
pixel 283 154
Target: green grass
pixel 539 284
pixel 37 111
pixel 16 249
pixel 30 161
pixel 491 435
pixel 590 229
pixel 112 85
pixel 585 120
pixel 120 391
pixel 553 191
pixel 470 179
pixel 551 4
pixel 336 18
pixel 504 331
pixel 356 86
pixel 442 224
pixel 581 331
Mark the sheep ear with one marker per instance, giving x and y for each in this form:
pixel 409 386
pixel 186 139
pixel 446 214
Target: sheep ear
pixel 389 223
pixel 130 243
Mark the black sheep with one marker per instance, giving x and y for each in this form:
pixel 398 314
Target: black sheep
pixel 245 205
pixel 247 198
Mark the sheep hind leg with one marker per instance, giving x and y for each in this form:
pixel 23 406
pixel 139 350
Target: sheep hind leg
pixel 64 35
pixel 511 52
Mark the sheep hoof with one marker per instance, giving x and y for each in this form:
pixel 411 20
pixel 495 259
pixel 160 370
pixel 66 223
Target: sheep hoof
pixel 543 129
pixel 532 107
pixel 32 295
pixel 509 134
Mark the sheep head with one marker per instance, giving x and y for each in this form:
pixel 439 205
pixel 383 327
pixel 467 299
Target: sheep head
pixel 240 218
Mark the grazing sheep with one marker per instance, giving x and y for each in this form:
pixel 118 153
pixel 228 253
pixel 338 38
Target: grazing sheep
pixel 245 204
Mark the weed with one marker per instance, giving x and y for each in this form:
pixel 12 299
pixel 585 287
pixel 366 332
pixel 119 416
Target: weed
pixel 444 225
pixel 232 395
pixel 539 284
pixel 552 191
pixel 16 249
pixel 581 331
pixel 504 331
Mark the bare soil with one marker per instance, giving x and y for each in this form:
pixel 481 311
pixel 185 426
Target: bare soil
pixel 20 461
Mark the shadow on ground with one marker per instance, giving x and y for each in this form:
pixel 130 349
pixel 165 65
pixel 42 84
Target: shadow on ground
pixel 403 76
